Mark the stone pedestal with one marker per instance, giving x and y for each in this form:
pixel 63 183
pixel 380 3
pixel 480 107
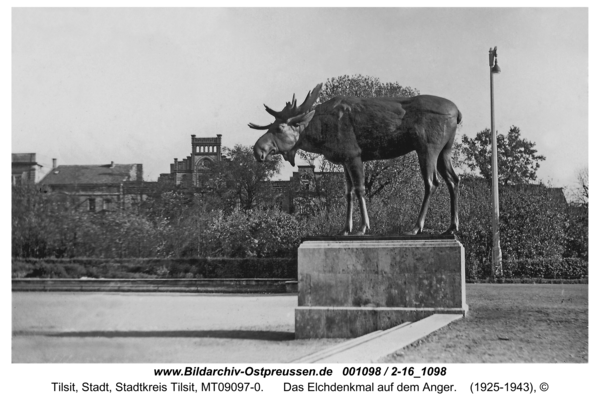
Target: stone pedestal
pixel 351 286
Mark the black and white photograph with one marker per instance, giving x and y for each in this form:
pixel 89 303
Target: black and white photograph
pixel 382 200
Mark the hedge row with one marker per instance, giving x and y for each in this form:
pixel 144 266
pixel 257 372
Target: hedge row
pixel 549 268
pixel 155 268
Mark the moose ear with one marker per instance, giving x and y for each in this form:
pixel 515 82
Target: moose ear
pixel 302 119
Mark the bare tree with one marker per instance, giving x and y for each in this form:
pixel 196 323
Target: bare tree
pixel 581 192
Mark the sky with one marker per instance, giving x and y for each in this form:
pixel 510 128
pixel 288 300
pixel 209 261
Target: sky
pixel 130 85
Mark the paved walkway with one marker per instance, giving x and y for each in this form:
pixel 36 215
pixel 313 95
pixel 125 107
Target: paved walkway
pixel 156 327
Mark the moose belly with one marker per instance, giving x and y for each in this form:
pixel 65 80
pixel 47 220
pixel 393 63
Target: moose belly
pixel 376 148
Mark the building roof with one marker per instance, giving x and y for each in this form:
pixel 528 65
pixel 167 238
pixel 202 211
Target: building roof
pixel 94 174
pixel 28 158
pixel 556 193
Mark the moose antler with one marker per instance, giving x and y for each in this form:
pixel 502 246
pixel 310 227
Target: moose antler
pixel 291 110
pixel 257 127
pixel 311 98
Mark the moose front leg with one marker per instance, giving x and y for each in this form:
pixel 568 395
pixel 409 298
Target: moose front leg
pixel 349 188
pixel 355 170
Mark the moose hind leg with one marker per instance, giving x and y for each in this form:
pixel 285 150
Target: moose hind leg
pixel 444 165
pixel 427 162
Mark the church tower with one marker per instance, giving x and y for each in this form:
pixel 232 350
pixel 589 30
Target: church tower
pixel 191 170
pixel 206 150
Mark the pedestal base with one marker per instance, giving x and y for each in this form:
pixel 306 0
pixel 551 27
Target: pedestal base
pixel 352 286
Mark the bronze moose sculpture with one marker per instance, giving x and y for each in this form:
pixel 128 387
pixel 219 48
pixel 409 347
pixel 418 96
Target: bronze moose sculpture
pixel 350 131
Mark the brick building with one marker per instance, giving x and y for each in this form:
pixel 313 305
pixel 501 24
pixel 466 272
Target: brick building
pixel 190 171
pixel 307 186
pixel 24 169
pixel 291 194
pixel 99 187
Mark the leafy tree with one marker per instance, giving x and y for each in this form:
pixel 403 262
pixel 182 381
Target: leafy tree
pixel 362 86
pixel 169 204
pixel 241 182
pixel 389 175
pixel 518 160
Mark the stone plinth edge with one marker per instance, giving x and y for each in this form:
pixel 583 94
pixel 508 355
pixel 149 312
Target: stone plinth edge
pixel 378 238
pixel 352 322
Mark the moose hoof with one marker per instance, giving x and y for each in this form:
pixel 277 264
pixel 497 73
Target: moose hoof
pixel 362 231
pixel 412 232
pixel 451 231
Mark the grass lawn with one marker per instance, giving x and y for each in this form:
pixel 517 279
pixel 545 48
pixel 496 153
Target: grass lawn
pixel 511 324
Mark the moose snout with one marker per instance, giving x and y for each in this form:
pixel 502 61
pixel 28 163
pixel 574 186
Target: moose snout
pixel 259 154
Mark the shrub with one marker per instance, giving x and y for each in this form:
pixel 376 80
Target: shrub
pixel 261 233
pixel 157 268
pixel 577 232
pixel 180 225
pixel 549 268
pixel 532 224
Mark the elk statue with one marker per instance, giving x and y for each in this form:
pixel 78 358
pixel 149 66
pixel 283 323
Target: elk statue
pixel 350 131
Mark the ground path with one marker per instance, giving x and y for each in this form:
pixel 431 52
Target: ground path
pixel 156 327
pixel 506 323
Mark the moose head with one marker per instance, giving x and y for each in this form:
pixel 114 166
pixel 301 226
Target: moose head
pixel 284 132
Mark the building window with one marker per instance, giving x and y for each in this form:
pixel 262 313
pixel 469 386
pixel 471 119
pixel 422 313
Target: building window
pixel 92 205
pixel 206 162
pixel 106 204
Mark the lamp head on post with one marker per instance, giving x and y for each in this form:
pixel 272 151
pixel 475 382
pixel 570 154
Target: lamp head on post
pixel 494 67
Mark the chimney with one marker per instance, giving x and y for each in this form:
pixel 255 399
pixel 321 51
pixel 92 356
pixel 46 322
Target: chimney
pixel 219 155
pixel 112 164
pixel 53 163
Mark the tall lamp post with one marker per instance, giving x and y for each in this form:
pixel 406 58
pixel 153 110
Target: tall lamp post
pixel 496 251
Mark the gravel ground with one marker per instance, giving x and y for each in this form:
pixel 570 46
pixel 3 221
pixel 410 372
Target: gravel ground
pixel 511 324
pixel 156 327
pixel 506 323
